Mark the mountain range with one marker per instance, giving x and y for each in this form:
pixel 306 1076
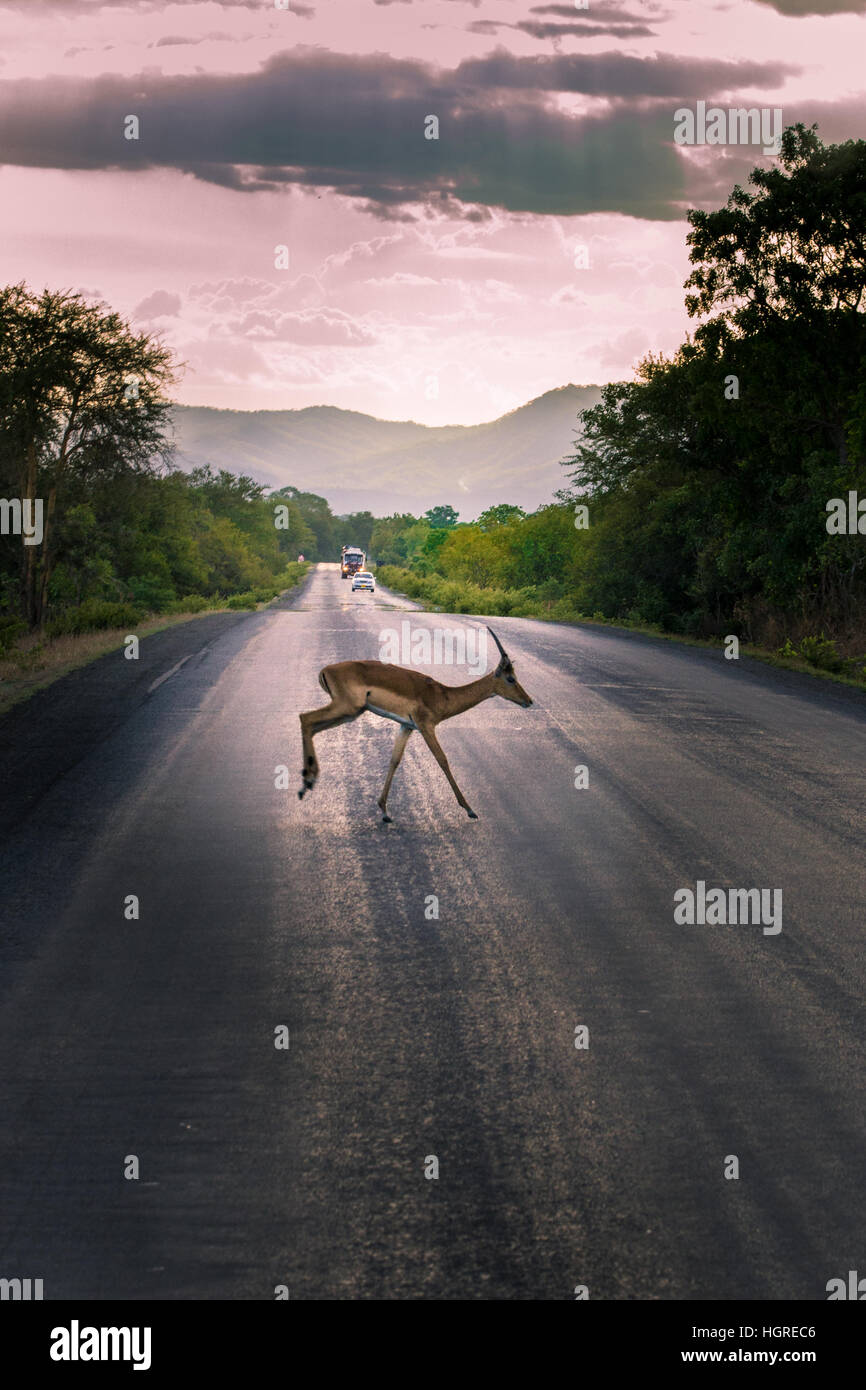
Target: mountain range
pixel 361 463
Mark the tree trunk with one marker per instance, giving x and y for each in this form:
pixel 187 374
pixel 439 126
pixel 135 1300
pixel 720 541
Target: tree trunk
pixel 46 565
pixel 28 556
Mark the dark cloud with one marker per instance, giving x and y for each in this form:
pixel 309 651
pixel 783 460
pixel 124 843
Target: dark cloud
pixel 355 124
pixel 616 75
pixel 609 21
pixel 541 29
pixel 800 8
pixel 598 11
pixel 537 29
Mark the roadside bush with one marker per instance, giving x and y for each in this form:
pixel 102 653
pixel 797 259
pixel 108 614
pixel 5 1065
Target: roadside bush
pixel 151 593
pixel 821 652
pixel 92 616
pixel 193 603
pixel 10 630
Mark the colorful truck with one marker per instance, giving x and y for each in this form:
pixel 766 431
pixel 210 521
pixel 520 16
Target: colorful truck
pixel 352 560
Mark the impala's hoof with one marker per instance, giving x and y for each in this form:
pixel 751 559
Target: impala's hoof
pixel 471 814
pixel 301 793
pixel 386 820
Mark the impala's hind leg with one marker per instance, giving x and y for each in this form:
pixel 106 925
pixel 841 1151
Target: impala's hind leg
pixel 399 748
pixel 315 721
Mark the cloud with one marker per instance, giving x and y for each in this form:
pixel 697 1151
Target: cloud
pixel 231 292
pixel 623 350
pixel 160 304
pixel 798 9
pixel 617 75
pixel 313 327
pixel 541 30
pixel 89 7
pixel 601 11
pixel 504 142
pixel 564 21
pixel 176 40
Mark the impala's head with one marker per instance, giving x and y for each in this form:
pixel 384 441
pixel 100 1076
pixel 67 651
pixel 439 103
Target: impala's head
pixel 505 682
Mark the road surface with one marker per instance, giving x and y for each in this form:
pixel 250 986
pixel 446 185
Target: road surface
pixel 413 1037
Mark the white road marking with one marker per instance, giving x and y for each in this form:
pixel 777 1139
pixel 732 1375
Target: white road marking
pixel 166 675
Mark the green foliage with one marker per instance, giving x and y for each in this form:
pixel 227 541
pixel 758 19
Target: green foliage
pixel 500 516
pixel 821 652
pixel 316 532
pixel 397 538
pixel 357 528
pixel 707 477
pixel 10 631
pixel 82 401
pixel 441 516
pixel 92 616
pixel 193 603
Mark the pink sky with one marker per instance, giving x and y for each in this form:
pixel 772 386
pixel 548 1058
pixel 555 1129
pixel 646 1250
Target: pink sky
pixel 428 280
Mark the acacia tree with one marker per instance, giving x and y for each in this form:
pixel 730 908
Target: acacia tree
pixel 784 267
pixel 82 396
pixel 441 516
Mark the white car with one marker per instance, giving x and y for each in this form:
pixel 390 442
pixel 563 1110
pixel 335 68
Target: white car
pixel 363 579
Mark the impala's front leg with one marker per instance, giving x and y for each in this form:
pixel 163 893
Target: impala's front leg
pixel 435 747
pixel 399 747
pixel 315 721
pixel 310 770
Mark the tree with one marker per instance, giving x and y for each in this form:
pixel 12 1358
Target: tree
pixel 358 529
pixel 787 264
pixel 81 396
pixel 708 476
pixel 317 513
pixel 388 542
pixel 499 516
pixel 441 516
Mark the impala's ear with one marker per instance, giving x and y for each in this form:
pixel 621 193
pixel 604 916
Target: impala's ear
pixel 506 659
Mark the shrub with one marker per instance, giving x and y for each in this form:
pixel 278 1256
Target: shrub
pixel 193 603
pixel 152 594
pixel 92 616
pixel 821 652
pixel 10 630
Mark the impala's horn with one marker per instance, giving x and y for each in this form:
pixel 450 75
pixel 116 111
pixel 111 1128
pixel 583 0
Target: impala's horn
pixel 504 653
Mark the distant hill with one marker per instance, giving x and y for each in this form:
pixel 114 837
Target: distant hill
pixel 360 463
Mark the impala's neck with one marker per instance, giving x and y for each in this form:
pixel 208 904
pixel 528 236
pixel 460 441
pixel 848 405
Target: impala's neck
pixel 462 697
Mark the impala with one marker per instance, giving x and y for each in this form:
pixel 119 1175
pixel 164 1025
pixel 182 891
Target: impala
pixel 413 700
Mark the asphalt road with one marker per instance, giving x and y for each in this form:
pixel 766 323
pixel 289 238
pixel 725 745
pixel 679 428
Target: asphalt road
pixel 411 1036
